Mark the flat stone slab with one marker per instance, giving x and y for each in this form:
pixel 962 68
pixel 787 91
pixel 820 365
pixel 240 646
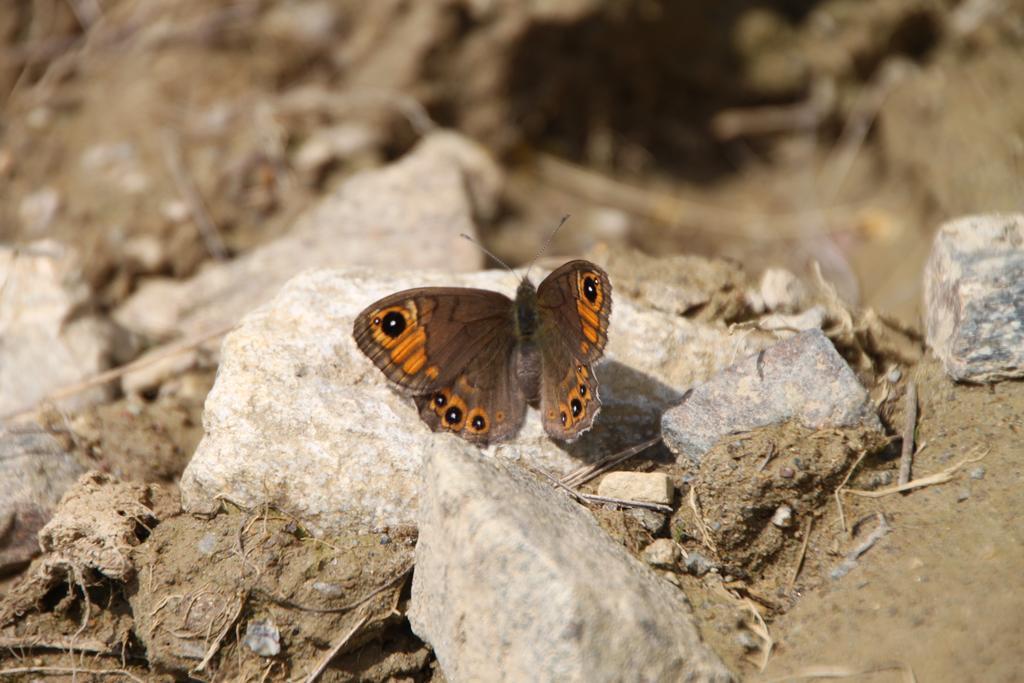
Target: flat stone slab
pixel 513 577
pixel 648 487
pixel 406 215
pixel 974 297
pixel 802 378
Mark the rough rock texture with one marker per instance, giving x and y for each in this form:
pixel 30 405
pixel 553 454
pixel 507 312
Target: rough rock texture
pixel 802 378
pixel 652 487
pixel 47 342
pixel 526 585
pixel 35 471
pixel 98 522
pixel 300 419
pixel 974 297
pixel 406 215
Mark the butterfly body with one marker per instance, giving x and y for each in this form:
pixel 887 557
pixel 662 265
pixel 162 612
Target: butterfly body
pixel 473 359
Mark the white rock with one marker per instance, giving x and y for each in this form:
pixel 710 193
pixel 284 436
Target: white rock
pixel 802 378
pixel 783 517
pixel 405 216
pixel 649 487
pixel 663 553
pixel 47 344
pixel 974 297
pixel 783 291
pixel 527 584
pixel 301 420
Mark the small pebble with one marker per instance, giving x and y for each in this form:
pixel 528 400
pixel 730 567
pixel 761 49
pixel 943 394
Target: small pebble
pixel 786 472
pixel 385 539
pixel 697 564
pixel 262 638
pixel 963 495
pixel 330 590
pixel 207 544
pixel 978 472
pixel 653 522
pixel 662 553
pixel 894 375
pixel 783 517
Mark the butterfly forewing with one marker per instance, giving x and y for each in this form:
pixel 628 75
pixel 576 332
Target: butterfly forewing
pixel 452 349
pixel 574 306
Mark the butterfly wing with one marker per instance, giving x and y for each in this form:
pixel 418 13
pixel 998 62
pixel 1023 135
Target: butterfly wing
pixel 574 307
pixel 452 349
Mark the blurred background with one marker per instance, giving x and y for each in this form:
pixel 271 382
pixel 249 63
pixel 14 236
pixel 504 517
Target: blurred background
pixel 781 132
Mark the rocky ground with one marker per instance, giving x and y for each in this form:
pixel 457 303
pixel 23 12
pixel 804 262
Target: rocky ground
pixel 809 213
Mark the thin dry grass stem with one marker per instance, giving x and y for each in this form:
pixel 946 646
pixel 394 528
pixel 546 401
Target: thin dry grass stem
pixel 701 524
pixel 729 124
pixel 803 555
pixel 188 190
pixel 909 427
pixel 95 647
pixel 672 210
pixel 68 671
pixel 397 580
pixel 938 478
pixel 336 648
pixel 228 625
pixel 760 629
pixel 826 671
pixel 839 490
pixel 116 373
pixel 591 498
pixel 584 474
pixel 302 100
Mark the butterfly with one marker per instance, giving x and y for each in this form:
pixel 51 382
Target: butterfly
pixel 473 359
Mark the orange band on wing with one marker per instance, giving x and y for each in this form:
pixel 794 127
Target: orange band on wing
pixel 587 315
pixel 415 340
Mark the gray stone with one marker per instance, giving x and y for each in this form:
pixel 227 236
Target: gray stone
pixel 696 564
pixel 978 472
pixel 263 638
pixel 528 585
pixel 783 291
pixel 974 297
pixel 802 378
pixel 47 342
pixel 301 420
pixel 407 215
pixel 35 471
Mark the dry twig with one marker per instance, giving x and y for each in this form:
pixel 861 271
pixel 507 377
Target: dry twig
pixel 812 672
pixel 335 649
pixel 586 473
pixel 590 498
pixel 190 193
pixel 215 646
pixel 699 520
pixel 909 426
pixel 850 561
pixel 68 671
pixel 115 373
pixel 803 554
pixel 932 479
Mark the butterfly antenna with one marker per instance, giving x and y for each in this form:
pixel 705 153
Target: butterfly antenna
pixel 486 251
pixel 547 243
